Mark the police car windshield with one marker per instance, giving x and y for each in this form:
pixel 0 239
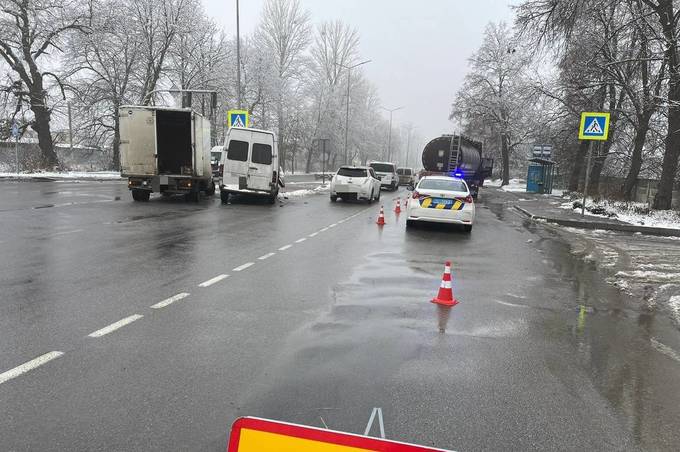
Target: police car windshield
pixel 383 167
pixel 442 184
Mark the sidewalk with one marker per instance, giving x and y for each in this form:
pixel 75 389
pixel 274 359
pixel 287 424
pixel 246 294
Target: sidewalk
pixel 547 208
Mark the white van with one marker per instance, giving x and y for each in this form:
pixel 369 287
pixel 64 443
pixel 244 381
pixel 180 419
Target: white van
pixel 251 166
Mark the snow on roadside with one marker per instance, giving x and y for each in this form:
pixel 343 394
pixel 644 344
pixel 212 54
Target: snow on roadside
pixel 82 175
pixel 306 192
pixel 516 185
pixel 634 213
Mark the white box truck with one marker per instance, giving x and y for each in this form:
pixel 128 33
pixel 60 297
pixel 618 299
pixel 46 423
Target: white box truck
pixel 165 150
pixel 251 166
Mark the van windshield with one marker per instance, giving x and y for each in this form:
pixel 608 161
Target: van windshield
pixel 352 172
pixel 238 150
pixel 262 154
pixel 383 167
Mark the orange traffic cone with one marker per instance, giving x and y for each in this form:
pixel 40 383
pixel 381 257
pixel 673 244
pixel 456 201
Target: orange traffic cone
pixel 381 217
pixel 398 208
pixel 445 296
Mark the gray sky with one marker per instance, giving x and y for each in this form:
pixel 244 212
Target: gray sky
pixel 419 48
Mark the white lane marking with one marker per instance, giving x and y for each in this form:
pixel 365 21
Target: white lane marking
pixel 301 240
pixel 116 325
pixel 266 256
pixel 67 232
pixel 244 266
pixel 313 234
pixel 170 300
pixel 375 411
pixel 285 247
pixel 342 221
pixel 30 365
pixel 332 225
pixel 212 281
pixel 323 229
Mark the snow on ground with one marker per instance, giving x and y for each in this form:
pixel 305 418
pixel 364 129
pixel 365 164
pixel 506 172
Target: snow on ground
pixel 516 185
pixel 306 192
pixel 98 175
pixel 634 213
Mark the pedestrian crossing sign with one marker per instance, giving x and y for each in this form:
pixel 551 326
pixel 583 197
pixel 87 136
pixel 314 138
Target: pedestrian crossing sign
pixel 238 118
pixel 594 126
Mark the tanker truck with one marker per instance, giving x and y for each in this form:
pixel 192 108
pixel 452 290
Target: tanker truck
pixel 458 156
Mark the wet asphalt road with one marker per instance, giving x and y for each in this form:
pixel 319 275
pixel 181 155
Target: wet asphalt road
pixel 540 354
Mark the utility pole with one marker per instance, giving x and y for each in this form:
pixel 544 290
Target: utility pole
pixel 408 143
pixel 238 59
pixel 389 134
pixel 349 72
pixel 70 127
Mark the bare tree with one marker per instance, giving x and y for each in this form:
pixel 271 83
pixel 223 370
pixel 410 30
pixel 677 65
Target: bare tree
pixel 496 91
pixel 29 31
pixel 284 31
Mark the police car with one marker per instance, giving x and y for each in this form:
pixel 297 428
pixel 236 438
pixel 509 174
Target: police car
pixel 441 199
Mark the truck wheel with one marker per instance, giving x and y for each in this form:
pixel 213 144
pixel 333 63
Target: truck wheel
pixel 141 195
pixel 210 189
pixel 224 196
pixel 334 198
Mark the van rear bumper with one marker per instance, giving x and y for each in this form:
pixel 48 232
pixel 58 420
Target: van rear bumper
pixel 234 188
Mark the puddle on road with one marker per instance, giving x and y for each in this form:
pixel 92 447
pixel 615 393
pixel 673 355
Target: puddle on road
pixel 616 340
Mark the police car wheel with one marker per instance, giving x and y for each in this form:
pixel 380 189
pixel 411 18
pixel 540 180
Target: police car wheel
pixel 467 228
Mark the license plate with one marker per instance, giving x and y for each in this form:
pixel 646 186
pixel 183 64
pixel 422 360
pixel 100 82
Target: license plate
pixel 446 202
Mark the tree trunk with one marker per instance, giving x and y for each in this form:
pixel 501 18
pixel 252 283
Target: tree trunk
pixel 505 155
pixel 636 158
pixel 669 167
pixel 308 165
pixel 41 125
pixel 115 161
pixel 577 168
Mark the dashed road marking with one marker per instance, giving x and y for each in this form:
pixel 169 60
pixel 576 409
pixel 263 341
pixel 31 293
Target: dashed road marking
pixel 313 234
pixel 170 300
pixel 323 229
pixel 212 281
pixel 244 266
pixel 332 225
pixel 266 256
pixel 28 366
pixel 285 247
pixel 301 240
pixel 116 325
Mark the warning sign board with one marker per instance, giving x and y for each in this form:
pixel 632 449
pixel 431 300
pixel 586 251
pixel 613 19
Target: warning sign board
pixel 250 434
pixel 594 126
pixel 238 118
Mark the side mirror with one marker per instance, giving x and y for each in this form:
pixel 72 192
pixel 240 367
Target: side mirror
pixel 410 187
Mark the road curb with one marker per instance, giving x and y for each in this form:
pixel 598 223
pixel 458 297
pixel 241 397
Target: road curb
pixel 662 232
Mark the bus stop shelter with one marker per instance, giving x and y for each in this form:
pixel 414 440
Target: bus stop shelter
pixel 540 175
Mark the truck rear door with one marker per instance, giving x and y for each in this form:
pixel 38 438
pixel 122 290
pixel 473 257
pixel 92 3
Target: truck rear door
pixel 138 141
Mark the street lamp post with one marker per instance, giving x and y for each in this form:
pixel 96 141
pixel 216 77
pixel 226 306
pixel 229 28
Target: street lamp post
pixel 349 71
pixel 389 134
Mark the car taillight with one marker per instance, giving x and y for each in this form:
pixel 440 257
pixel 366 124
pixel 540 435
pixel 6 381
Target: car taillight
pixel 467 199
